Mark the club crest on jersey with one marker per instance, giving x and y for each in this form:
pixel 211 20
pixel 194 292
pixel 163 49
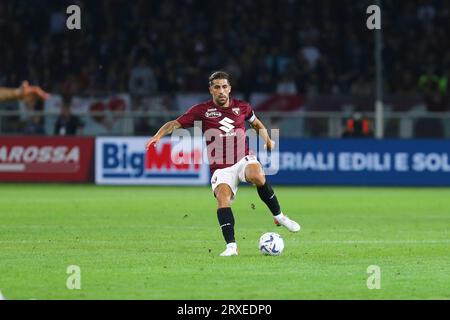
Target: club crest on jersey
pixel 213 114
pixel 236 111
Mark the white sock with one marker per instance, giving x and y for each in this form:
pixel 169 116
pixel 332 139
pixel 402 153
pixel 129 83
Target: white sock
pixel 279 216
pixel 232 245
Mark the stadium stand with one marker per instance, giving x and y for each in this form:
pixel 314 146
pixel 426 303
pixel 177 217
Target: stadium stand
pixel 316 49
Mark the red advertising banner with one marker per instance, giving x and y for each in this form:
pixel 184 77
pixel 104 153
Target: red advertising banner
pixel 46 159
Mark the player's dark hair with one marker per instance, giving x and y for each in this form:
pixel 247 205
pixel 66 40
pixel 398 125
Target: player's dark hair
pixel 218 75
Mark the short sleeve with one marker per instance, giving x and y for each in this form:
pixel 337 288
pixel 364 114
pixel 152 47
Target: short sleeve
pixel 249 114
pixel 187 119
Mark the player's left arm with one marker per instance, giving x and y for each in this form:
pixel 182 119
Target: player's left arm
pixel 261 130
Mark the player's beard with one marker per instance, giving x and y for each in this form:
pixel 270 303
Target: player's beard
pixel 221 102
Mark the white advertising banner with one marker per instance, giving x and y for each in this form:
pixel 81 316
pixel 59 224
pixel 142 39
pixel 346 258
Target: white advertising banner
pixel 125 161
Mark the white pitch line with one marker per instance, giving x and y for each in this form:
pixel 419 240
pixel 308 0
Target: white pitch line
pixel 377 241
pixel 73 241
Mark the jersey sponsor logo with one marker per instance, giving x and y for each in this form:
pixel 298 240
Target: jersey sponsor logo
pixel 226 125
pixel 236 111
pixel 213 114
pixel 228 134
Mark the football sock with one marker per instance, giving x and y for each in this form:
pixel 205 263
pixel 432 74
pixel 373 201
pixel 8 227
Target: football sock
pixel 226 221
pixel 268 196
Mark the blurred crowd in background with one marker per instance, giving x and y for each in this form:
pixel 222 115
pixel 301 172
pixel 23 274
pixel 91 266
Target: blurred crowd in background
pixel 316 49
pixel 287 46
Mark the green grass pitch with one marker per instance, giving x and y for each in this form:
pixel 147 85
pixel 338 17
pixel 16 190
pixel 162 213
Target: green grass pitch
pixel 164 242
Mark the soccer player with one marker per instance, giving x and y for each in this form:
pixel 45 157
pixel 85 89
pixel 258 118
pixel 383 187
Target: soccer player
pixel 224 118
pixel 24 92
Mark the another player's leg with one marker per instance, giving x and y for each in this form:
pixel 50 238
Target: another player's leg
pixel 225 216
pixel 255 175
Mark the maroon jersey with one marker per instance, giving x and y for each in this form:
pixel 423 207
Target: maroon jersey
pixel 223 129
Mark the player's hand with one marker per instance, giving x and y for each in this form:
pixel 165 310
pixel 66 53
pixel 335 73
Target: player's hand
pixel 269 145
pixel 151 141
pixel 31 93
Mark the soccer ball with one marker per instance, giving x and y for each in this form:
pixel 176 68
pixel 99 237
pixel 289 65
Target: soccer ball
pixel 271 244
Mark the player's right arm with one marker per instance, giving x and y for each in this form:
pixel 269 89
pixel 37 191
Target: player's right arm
pixel 184 121
pixel 24 92
pixel 166 129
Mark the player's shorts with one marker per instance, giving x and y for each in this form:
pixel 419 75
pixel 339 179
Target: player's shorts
pixel 232 175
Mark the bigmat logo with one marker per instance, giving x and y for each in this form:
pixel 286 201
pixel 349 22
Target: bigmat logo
pixel 125 161
pixel 42 159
